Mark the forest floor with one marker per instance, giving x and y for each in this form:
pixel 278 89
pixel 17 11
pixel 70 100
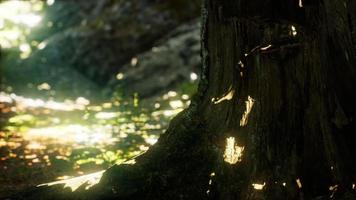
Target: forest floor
pixel 46 140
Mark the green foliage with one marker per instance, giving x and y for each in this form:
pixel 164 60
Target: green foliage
pixel 188 88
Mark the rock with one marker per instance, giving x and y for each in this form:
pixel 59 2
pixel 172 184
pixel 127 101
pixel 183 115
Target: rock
pixel 88 42
pixel 173 60
pixel 98 38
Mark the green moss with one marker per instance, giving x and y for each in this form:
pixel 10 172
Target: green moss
pixel 188 88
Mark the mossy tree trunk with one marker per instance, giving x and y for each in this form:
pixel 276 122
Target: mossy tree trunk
pixel 278 76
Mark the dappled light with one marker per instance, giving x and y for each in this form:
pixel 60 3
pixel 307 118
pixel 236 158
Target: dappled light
pixel 180 99
pixel 193 76
pixel 233 152
pixel 293 31
pixel 23 15
pixel 265 47
pixel 300 3
pixel 299 183
pixel 74 137
pixel 249 104
pixel 333 189
pixel 134 62
pixel 212 174
pixel 50 2
pixel 226 97
pixel 72 133
pixel 119 76
pixel 74 183
pixel 258 186
pixel 23 103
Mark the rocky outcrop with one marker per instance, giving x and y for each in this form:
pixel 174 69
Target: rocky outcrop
pixel 85 44
pixel 173 60
pixel 98 38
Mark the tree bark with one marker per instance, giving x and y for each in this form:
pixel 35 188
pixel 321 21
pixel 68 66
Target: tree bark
pixel 277 76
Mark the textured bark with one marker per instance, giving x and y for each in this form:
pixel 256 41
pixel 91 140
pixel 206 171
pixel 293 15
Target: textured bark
pixel 301 126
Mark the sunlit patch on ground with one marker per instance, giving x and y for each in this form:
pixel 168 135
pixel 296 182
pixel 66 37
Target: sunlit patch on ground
pixel 74 134
pixel 44 140
pixel 23 103
pixel 74 183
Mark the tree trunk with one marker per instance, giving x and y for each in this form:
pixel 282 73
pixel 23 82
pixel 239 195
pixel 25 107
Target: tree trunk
pixel 274 117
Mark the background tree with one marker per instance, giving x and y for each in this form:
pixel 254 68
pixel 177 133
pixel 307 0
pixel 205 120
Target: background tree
pixel 278 81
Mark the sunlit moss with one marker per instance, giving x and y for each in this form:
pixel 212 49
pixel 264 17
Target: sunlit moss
pixel 19 119
pixel 151 140
pixel 107 105
pixel 130 162
pixel 97 161
pixel 172 93
pixel 44 86
pixel 135 100
pixel 185 97
pixel 148 126
pixel 176 104
pixel 140 118
pixel 82 137
pixel 106 115
pixel 95 108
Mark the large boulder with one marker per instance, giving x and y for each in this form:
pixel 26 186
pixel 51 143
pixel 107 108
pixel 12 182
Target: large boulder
pixel 85 43
pixel 173 60
pixel 98 37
